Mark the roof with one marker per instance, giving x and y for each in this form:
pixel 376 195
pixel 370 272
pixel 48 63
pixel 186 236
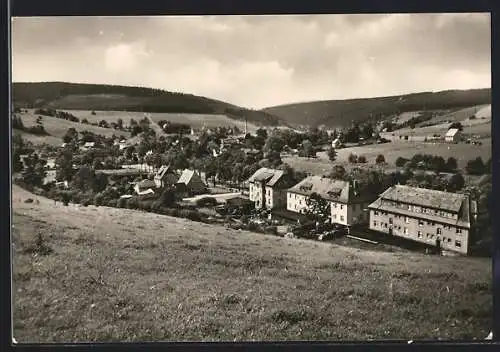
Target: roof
pixel 269 176
pixel 451 132
pixel 163 171
pixel 463 222
pixel 146 183
pixel 424 197
pixel 327 188
pixel 187 175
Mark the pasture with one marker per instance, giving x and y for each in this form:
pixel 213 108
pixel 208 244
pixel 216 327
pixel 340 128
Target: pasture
pixel 392 151
pixel 105 274
pixel 57 128
pixel 195 120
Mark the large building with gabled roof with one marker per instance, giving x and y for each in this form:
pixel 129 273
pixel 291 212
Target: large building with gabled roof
pixel 348 206
pixel 267 188
pixel 428 216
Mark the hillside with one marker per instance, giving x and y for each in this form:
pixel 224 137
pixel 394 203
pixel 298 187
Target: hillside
pixel 122 275
pixel 341 113
pixel 75 96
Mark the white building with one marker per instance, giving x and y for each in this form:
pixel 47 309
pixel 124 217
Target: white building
pixel 453 135
pixel 347 205
pixel 267 188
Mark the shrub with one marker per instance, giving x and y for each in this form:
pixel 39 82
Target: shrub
pixel 206 201
pixel 132 203
pixel 98 200
pixel 362 159
pixel 172 212
pixel 380 159
pixel 273 230
pixel 121 203
pixel 400 162
pixel 353 158
pixel 112 203
pixel 190 214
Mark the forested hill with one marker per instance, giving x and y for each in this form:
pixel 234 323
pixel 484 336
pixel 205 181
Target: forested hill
pixel 76 96
pixel 341 113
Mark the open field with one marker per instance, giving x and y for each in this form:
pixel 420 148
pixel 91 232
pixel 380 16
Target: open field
pixel 57 127
pixel 120 275
pixel 195 120
pixel 391 151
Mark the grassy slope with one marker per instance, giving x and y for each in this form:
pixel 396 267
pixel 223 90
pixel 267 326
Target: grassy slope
pixel 57 129
pixel 122 275
pixel 340 113
pixel 72 96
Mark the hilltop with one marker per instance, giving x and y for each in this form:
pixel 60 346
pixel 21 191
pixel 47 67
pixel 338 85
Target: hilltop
pixel 122 275
pixel 77 96
pixel 341 113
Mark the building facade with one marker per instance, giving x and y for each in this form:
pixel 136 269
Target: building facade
pixel 267 188
pixel 348 206
pixel 427 216
pixel 452 136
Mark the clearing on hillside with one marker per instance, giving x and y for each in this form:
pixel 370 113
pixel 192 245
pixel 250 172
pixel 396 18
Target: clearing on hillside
pixel 105 274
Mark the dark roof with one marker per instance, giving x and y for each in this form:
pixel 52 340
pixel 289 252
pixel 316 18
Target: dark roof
pixel 462 221
pixel 269 176
pixel 146 183
pixel 327 188
pixel 425 197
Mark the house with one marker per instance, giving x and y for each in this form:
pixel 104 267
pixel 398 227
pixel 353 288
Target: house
pixel 267 188
pixel 423 215
pixel 165 176
pixel 87 146
pixel 453 135
pixel 144 187
pixel 193 182
pixel 336 143
pixel 348 206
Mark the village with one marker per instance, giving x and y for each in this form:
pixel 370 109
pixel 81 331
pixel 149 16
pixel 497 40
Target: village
pixel 224 175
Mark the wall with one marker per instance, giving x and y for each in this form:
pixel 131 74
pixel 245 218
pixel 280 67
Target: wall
pixel 379 221
pixel 257 194
pixel 296 202
pixel 275 198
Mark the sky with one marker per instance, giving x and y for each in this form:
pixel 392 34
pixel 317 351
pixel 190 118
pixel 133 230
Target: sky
pixel 260 61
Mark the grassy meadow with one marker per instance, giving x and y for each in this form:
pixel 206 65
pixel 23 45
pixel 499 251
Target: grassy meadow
pixel 104 274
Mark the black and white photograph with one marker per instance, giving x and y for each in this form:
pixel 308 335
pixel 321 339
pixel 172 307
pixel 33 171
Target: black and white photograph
pixel 245 178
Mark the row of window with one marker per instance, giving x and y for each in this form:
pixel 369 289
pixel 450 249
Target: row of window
pixel 419 209
pixel 334 217
pixel 420 222
pixel 429 236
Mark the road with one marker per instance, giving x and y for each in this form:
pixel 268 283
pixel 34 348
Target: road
pixel 219 197
pixel 158 130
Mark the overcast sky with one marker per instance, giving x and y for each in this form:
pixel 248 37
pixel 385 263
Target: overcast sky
pixel 259 61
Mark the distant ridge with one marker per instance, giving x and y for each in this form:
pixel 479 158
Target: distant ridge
pixel 80 96
pixel 342 113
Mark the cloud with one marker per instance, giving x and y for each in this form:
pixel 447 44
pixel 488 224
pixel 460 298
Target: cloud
pixel 261 60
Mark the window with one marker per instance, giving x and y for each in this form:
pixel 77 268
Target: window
pixel 419 234
pixel 374 223
pixel 335 216
pixel 459 230
pixel 385 225
pixel 458 243
pixel 420 223
pixel 341 206
pixel 341 217
pixel 438 231
pixel 375 212
pixel 449 240
pixel 390 221
pixel 405 230
pixel 334 205
pixel 407 220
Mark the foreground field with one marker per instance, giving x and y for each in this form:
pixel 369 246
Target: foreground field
pixel 122 275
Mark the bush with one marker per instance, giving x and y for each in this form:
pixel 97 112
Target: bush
pixel 353 159
pixel 98 200
pixel 121 203
pixel 190 214
pixel 145 205
pixel 172 212
pixel 273 230
pixel 112 203
pixel 206 202
pixel 362 159
pixel 132 203
pixel 380 159
pixel 400 162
